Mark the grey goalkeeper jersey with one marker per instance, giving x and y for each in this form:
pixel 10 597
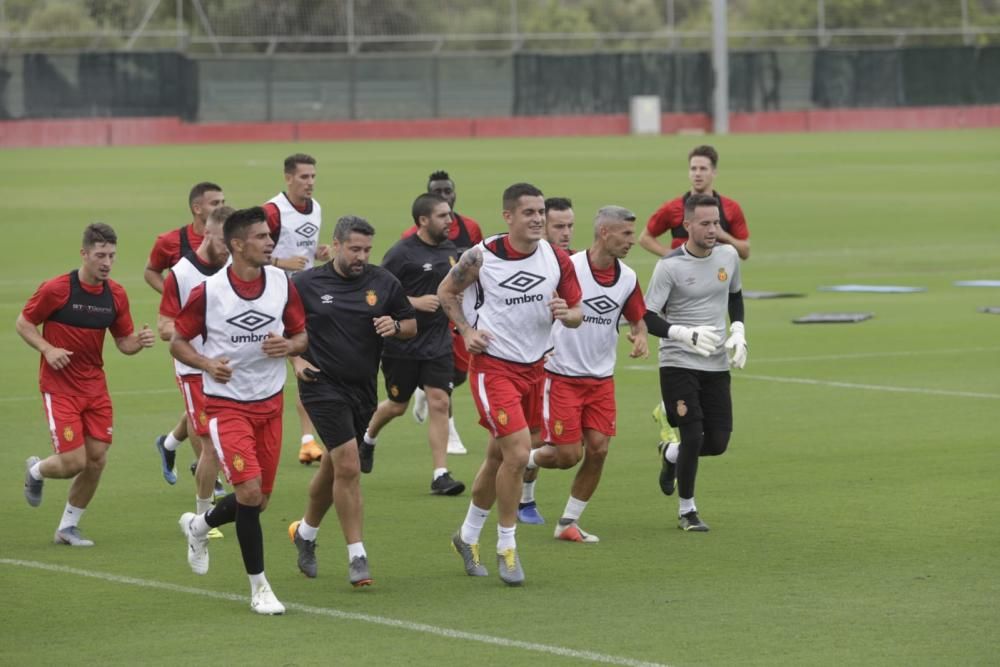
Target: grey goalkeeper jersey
pixel 694 291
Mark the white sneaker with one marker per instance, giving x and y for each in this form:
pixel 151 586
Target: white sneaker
pixel 197 546
pixel 455 445
pixel 264 602
pixel 420 405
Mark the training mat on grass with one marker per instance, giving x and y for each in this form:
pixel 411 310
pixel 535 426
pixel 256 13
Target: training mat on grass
pixel 977 283
pixel 880 289
pixel 992 310
pixel 750 294
pixel 833 318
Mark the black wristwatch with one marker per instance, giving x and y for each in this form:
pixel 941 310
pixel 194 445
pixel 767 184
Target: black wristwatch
pixel 395 324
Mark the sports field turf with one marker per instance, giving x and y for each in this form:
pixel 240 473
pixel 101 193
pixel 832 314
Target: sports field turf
pixel 854 518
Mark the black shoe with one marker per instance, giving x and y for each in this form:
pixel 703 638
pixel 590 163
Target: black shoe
pixel 366 453
pixel 194 467
pixel 690 521
pixel 446 486
pixel 668 471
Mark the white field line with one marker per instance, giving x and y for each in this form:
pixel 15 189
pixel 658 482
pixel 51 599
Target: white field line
pixel 344 615
pixel 871 387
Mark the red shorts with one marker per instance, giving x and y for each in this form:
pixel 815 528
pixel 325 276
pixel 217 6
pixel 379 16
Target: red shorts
pixel 72 418
pixel 459 353
pixel 570 405
pixel 194 401
pixel 247 445
pixel 507 395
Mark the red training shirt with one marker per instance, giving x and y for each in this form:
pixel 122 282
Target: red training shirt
pixel 167 248
pixel 671 216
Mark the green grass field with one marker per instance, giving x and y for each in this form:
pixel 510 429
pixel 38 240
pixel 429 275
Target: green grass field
pixel 854 518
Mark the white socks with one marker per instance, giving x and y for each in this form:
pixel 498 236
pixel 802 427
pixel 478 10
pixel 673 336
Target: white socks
pixel 370 440
pixel 438 472
pixel 505 538
pixel 670 454
pixel 574 508
pixel 202 505
pixel 257 582
pixel 71 516
pixel 528 492
pixel 170 443
pixel 687 505
pixel 354 550
pixel 36 472
pixel 473 524
pixel 307 532
pixel 307 438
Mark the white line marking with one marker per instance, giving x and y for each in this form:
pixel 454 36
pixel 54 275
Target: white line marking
pixel 346 615
pixel 870 387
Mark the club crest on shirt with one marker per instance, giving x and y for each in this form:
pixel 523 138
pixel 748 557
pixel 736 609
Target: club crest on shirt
pixel 68 434
pixel 502 417
pixel 722 275
pixel 371 298
pixel 558 427
pixel 238 463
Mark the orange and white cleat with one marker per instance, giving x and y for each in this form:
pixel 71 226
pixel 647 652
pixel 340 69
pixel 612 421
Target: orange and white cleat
pixel 571 532
pixel 310 452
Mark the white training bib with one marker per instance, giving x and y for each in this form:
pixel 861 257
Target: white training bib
pixel 299 232
pixel 189 275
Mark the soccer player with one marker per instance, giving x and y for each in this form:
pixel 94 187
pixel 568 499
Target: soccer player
pixel 578 401
pixel 191 271
pixel 352 308
pixel 295 218
pixel 75 310
pixel 464 233
pixel 559 221
pixel 250 319
pixel 420 261
pixel 167 250
pixel 513 286
pixel 693 288
pixel 703 163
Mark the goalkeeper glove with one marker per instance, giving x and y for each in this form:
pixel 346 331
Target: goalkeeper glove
pixel 736 346
pixel 702 340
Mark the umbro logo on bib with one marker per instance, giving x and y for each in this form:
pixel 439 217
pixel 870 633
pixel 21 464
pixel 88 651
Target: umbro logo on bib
pixel 307 230
pixel 522 281
pixel 250 320
pixel 601 304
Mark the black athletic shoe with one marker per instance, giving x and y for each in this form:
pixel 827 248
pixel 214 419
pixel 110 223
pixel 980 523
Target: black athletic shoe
pixel 194 467
pixel 366 453
pixel 446 486
pixel 668 471
pixel 690 521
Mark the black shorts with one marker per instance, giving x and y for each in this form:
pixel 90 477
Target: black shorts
pixel 690 395
pixel 403 376
pixel 339 413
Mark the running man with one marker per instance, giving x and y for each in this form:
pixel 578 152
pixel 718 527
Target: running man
pixel 513 286
pixel 75 310
pixel 250 319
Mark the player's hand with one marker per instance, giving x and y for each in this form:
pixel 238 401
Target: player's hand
pixel 428 303
pixel 219 370
pixel 702 340
pixel 640 346
pixel 558 307
pixel 57 358
pixel 305 371
pixel 275 345
pixel 385 326
pixel 476 340
pixel 736 346
pixel 296 263
pixel 323 252
pixel 146 336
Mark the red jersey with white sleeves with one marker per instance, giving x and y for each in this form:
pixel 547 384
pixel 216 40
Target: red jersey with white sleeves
pixel 234 317
pixel 184 276
pixel 510 298
pixel 464 232
pixel 671 216
pixel 170 246
pixel 74 316
pixel 590 349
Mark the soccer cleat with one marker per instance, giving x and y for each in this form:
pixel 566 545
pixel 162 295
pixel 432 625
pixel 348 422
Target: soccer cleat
pixel 571 532
pixel 528 513
pixel 470 556
pixel 167 458
pixel 446 486
pixel 214 534
pixel 668 470
pixel 357 572
pixel 71 536
pixel 509 566
pixel 194 467
pixel 690 521
pixel 366 453
pixel 197 553
pixel 219 492
pixel 264 602
pixel 419 406
pixel 455 445
pixel 667 432
pixel 306 548
pixel 32 486
pixel 310 452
